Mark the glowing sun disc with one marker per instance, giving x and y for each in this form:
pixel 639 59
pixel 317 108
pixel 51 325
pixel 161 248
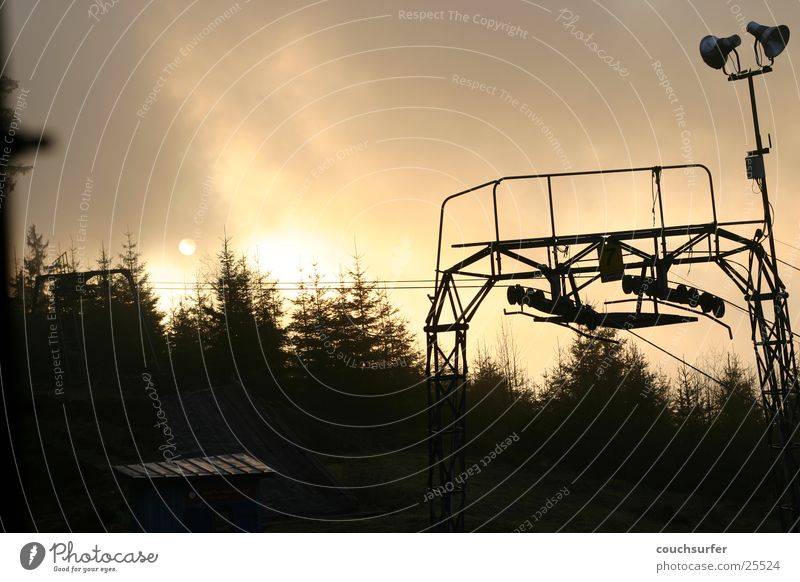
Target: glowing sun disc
pixel 187 247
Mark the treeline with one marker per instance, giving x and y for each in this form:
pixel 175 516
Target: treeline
pixel 103 370
pixel 605 412
pixel 234 327
pixel 338 365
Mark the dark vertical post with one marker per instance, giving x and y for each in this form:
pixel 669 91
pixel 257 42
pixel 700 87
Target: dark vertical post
pixel 773 342
pixel 762 181
pixel 552 222
pixel 496 230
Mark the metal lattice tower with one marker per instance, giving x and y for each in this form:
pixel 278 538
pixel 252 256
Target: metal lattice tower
pixel 650 253
pixel 560 303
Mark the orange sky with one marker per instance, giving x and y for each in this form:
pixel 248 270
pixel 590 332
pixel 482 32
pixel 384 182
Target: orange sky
pixel 307 129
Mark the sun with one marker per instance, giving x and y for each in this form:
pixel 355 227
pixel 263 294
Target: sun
pixel 187 247
pixel 288 256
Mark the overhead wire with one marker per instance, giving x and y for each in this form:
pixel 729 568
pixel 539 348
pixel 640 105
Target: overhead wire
pixel 787 244
pixel 678 358
pixel 791 266
pixel 396 284
pixel 731 303
pixel 750 400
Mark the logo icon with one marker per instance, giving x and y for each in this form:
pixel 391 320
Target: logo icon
pixel 31 555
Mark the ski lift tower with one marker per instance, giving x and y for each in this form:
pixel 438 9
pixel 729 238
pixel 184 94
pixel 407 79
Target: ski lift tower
pixel 641 258
pixel 773 340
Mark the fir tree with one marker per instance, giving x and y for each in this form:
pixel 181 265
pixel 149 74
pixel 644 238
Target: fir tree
pixel 691 400
pixel 33 264
pixel 104 265
pixel 131 259
pixel 312 328
pixel 137 319
pixel 395 341
pixel 268 315
pixel 188 340
pixel 231 283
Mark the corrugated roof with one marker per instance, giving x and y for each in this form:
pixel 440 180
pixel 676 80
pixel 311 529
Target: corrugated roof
pixel 227 422
pixel 216 465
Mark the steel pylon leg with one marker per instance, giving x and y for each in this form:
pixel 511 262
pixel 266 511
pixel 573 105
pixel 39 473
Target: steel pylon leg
pixel 777 372
pixel 446 429
pixel 446 369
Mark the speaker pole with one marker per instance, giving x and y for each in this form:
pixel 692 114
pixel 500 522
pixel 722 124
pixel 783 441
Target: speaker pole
pixel 775 356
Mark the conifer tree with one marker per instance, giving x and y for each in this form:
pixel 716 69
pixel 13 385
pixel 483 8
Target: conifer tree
pixel 268 316
pixel 137 320
pixel 231 282
pixel 734 397
pixel 395 341
pixel 353 328
pixel 244 314
pixel 145 298
pixel 299 328
pixel 188 337
pixel 33 263
pixel 312 326
pixel 103 264
pixel 365 312
pixel 691 400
